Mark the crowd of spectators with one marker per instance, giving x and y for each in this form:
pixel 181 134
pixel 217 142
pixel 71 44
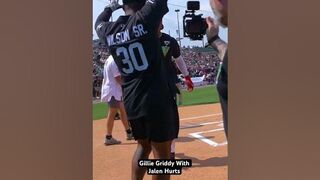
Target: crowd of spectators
pixel 200 62
pixel 100 55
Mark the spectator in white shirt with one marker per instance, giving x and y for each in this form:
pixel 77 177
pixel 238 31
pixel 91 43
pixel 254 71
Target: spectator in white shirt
pixel 112 94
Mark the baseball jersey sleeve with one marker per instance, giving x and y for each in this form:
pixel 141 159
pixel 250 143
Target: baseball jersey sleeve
pixel 153 12
pixel 175 48
pixel 102 24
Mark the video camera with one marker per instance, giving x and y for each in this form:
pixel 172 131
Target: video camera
pixel 194 26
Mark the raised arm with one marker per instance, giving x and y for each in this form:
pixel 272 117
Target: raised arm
pixel 153 12
pixel 103 18
pixel 103 21
pixel 214 39
pixel 221 46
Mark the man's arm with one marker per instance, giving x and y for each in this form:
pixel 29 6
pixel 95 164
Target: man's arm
pixel 221 46
pixel 178 59
pixel 176 53
pixel 102 23
pixel 153 12
pixel 213 38
pixel 181 64
pixel 104 17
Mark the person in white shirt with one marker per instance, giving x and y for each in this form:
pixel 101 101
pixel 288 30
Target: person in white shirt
pixel 111 93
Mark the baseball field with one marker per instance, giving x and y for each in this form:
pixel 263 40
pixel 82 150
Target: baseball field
pixel 200 95
pixel 201 139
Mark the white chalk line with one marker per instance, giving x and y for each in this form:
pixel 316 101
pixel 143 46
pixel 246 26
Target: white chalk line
pixel 208 123
pixel 198 135
pixel 206 140
pixel 198 117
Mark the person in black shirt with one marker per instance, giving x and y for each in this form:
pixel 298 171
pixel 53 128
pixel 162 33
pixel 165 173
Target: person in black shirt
pixel 134 44
pixel 220 9
pixel 173 61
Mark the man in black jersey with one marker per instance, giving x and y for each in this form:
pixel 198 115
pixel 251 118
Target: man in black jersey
pixel 172 61
pixel 134 44
pixel 220 9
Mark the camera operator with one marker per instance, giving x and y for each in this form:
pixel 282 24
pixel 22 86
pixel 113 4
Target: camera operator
pixel 220 9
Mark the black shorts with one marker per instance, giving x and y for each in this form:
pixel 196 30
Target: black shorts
pixel 173 88
pixel 113 103
pixel 157 129
pixel 222 88
pixel 224 107
pixel 178 90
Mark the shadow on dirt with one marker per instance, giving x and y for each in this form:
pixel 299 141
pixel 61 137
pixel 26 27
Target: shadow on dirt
pixel 213 161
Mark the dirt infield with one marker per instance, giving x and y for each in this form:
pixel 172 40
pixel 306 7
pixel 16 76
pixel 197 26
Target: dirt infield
pixel 201 139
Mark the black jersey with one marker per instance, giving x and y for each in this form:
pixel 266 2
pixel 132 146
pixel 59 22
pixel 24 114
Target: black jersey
pixel 223 91
pixel 171 49
pixel 134 44
pixel 222 85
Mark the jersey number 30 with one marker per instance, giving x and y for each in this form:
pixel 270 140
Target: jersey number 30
pixel 130 59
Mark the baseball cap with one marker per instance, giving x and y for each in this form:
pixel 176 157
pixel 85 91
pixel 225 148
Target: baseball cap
pixel 131 1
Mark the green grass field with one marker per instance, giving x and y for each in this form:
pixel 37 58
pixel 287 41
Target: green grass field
pixel 202 95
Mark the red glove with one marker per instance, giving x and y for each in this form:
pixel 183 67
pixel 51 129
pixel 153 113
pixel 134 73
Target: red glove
pixel 189 83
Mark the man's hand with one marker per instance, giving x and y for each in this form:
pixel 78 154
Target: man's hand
pixel 213 28
pixel 114 5
pixel 213 38
pixel 189 83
